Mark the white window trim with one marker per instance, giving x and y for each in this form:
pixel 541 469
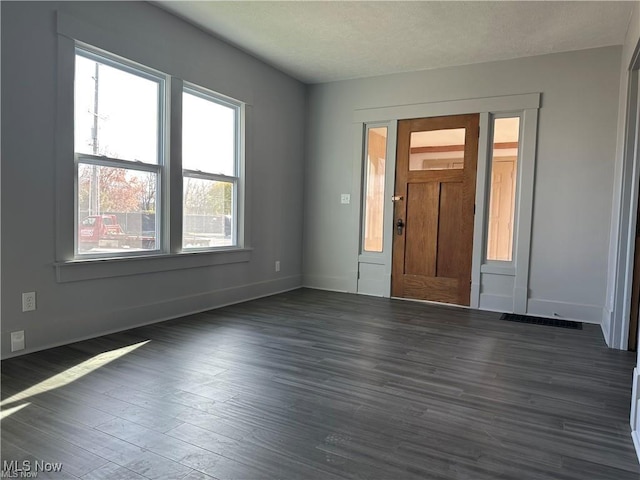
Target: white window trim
pixel 159 167
pixel 384 257
pixel 365 151
pixel 80 270
pixel 500 266
pixel 73 32
pixel 237 179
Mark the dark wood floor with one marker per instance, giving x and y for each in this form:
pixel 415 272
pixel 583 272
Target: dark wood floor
pixel 320 385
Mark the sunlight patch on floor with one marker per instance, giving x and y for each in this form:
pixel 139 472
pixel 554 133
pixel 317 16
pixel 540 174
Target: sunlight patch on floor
pixel 72 374
pixel 9 411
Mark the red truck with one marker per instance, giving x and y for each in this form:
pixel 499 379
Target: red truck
pixel 104 231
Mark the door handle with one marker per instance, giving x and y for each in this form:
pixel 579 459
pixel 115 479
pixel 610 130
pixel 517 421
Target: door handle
pixel 399 226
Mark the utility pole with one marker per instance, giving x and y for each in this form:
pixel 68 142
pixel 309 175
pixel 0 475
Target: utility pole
pixel 94 190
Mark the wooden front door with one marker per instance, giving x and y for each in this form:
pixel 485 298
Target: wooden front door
pixel 434 208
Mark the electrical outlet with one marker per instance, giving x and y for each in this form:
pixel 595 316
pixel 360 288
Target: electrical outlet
pixel 277 265
pixel 28 301
pixel 17 340
pixel 345 198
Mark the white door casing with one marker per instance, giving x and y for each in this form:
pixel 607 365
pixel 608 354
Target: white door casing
pixel 374 270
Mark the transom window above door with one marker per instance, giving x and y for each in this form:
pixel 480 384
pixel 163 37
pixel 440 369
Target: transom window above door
pixel 437 149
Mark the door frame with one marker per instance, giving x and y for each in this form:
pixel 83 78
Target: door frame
pixel 526 105
pixel 615 324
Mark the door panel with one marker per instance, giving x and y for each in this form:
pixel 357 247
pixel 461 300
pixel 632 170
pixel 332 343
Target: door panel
pixel 421 247
pixel 449 245
pixel 435 188
pixel 440 289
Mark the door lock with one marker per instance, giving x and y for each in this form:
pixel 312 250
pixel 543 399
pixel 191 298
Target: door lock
pixel 399 226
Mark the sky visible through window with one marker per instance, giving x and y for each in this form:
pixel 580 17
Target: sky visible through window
pixel 127 113
pixel 127 121
pixel 208 140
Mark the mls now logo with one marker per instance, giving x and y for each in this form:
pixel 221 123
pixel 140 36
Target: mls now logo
pixel 28 468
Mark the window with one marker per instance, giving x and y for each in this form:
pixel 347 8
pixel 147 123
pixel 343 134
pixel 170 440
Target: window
pixel 210 168
pixel 437 149
pixel 374 188
pixel 502 194
pixel 123 205
pixel 118 154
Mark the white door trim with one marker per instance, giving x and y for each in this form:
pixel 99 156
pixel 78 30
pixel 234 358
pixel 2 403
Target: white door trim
pixel 617 335
pixel 527 106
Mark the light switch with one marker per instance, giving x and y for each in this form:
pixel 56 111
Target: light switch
pixel 345 198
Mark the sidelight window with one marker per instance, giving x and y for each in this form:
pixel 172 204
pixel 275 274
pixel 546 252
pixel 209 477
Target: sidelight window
pixel 375 165
pixel 502 192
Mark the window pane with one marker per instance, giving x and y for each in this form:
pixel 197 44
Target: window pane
pixel 207 214
pixel 208 136
pixel 116 112
pixel 504 163
pixel 374 201
pixel 437 149
pixel 116 210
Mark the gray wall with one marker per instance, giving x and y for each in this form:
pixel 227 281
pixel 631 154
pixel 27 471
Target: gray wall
pixel 574 177
pixel 74 310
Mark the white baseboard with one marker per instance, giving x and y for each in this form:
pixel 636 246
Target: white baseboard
pixel 565 311
pixel 325 282
pixel 605 325
pixel 496 303
pixel 634 417
pixel 141 315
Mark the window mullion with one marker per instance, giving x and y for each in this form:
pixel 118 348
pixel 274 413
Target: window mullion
pixel 174 181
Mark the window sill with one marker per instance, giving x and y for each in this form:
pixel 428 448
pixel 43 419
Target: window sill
pixel 90 269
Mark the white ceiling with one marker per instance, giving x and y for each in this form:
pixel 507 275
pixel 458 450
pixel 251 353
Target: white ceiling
pixel 320 41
